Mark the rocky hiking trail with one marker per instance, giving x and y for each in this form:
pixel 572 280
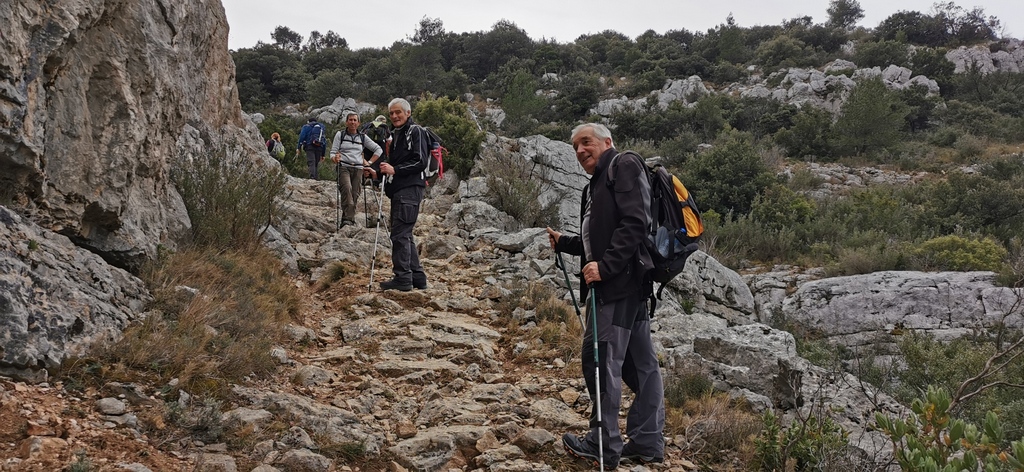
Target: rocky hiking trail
pixel 434 379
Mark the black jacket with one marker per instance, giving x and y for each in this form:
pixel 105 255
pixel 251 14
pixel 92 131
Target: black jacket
pixel 408 154
pixel 619 221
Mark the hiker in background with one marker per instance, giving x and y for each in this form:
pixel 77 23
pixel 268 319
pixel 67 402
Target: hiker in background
pixel 378 131
pixel 347 151
pixel 615 217
pixel 312 139
pixel 404 185
pixel 275 147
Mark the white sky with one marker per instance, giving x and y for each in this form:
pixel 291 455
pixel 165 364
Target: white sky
pixel 379 23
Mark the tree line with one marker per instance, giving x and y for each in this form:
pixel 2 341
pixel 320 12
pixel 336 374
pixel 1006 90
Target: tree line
pixel 545 87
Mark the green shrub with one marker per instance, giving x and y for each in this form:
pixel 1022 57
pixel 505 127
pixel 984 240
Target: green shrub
pixel 687 385
pixel 230 201
pixel 729 176
pixel 81 463
pixel 810 136
pixel 968 147
pixel 930 439
pixel 803 179
pixel 778 207
pixel 817 443
pixel 946 365
pixel 952 252
pixel 451 121
pixel 868 258
pixel 871 119
pixel 514 188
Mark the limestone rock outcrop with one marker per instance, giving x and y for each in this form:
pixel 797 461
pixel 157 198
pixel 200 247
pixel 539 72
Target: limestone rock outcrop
pixel 99 100
pixel 56 299
pixel 863 309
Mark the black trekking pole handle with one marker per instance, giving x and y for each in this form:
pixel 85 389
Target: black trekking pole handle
pixel 561 265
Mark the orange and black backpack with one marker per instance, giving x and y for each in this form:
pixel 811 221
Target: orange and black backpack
pixel 676 225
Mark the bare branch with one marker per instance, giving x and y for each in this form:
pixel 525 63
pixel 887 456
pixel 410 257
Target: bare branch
pixel 986 387
pixel 1002 357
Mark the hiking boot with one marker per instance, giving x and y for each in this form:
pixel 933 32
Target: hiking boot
pixel 583 449
pixel 630 454
pixel 419 284
pixel 392 285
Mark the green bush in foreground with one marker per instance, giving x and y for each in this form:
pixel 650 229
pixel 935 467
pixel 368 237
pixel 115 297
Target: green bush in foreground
pixel 930 440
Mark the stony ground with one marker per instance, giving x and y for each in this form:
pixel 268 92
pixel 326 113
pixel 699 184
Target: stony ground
pixel 425 380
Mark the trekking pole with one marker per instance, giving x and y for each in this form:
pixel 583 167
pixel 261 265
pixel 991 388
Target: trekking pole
pixel 561 265
pixel 597 382
pixel 366 203
pixel 376 236
pixel 337 173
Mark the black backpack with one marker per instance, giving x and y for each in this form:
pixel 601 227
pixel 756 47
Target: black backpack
pixel 676 225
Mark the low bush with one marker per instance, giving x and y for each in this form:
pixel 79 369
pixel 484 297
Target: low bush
pixel 229 200
pixel 815 443
pixel 514 188
pixel 945 365
pixel 930 439
pixel 953 252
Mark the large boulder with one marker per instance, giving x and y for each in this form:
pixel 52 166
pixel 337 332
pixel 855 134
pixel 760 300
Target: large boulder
pixel 99 100
pixel 857 310
pixel 56 299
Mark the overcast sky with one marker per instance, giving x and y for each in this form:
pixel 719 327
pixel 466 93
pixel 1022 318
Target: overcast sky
pixel 380 23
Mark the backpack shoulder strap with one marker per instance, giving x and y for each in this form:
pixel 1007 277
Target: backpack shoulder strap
pixel 614 164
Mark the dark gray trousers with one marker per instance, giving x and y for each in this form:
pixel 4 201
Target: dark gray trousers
pixel 405 209
pixel 627 355
pixel 313 158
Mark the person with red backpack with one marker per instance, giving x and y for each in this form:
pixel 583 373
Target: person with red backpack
pixel 408 155
pixel 615 218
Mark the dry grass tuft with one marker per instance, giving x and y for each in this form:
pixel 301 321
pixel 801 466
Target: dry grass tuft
pixel 714 426
pixel 215 318
pixel 556 333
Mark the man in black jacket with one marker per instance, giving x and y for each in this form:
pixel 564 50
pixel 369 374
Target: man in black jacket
pixel 408 153
pixel 614 220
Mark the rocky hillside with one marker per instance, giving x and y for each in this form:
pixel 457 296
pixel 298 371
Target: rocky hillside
pixel 98 100
pixel 442 379
pixel 97 114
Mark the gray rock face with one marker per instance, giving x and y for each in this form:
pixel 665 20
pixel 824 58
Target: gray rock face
pixel 980 57
pixel 715 289
pixel 56 298
pixel 553 163
pixel 96 99
pixel 854 310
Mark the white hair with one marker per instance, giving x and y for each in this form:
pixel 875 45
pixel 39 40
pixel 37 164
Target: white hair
pixel 600 131
pixel 400 101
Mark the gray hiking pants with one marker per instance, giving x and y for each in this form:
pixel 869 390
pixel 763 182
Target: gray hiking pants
pixel 627 355
pixel 405 209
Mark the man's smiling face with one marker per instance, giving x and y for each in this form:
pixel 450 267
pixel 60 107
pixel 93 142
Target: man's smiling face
pixel 589 149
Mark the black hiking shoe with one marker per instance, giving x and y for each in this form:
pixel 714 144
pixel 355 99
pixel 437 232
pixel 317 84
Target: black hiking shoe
pixel 392 285
pixel 633 456
pixel 579 447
